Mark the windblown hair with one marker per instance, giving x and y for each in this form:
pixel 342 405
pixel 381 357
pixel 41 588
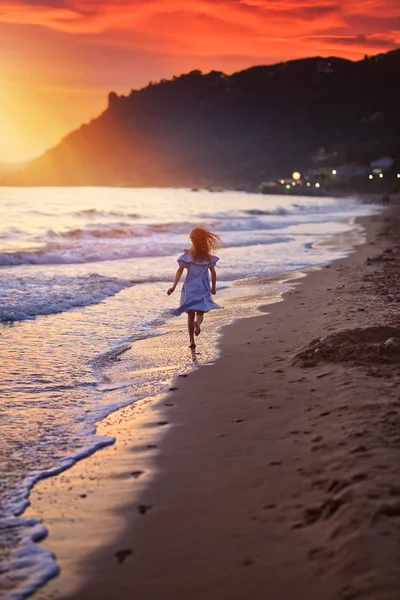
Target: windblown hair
pixel 204 243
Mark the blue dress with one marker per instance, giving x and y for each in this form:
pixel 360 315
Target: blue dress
pixel 196 291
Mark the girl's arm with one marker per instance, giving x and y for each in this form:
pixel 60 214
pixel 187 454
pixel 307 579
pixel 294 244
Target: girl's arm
pixel 213 280
pixel 177 278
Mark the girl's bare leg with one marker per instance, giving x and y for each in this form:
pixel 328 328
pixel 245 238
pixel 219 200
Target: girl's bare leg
pixel 198 322
pixel 191 317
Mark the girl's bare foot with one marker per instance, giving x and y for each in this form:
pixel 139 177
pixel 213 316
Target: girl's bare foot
pixel 197 329
pixel 192 346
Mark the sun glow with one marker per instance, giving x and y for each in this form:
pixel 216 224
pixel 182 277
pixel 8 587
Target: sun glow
pixel 35 118
pixel 24 124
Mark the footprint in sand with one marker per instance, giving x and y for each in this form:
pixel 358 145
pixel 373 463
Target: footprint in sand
pixel 248 562
pixel 122 555
pixel 144 508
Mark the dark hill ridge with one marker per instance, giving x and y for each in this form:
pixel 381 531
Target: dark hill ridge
pixel 214 129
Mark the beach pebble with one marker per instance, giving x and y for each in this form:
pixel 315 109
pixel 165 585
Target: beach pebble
pixel 391 342
pixel 317 355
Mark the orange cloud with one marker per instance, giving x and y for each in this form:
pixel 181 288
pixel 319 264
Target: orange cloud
pixel 46 16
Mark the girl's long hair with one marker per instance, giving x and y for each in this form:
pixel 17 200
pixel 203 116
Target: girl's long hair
pixel 204 243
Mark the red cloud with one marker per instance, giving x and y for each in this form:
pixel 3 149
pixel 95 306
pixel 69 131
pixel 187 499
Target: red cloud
pixel 225 34
pixel 90 16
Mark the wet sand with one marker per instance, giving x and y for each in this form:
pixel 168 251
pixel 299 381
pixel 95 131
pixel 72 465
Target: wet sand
pixel 277 475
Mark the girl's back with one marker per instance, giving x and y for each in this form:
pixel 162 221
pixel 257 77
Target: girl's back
pixel 197 289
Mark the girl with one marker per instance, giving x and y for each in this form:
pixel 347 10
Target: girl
pixel 196 291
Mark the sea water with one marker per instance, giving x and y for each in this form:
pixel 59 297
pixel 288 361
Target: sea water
pixel 83 276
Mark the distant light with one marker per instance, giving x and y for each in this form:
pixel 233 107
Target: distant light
pixel 317 185
pixel 381 175
pixel 293 183
pixel 308 184
pixel 296 176
pixel 288 186
pixel 282 181
pixel 371 176
pixel 334 172
pixel 398 175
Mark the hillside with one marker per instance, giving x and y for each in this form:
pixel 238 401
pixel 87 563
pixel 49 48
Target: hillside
pixel 7 168
pixel 214 129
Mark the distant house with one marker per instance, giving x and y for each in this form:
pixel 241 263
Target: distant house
pixel 325 66
pixel 382 164
pixel 342 173
pixel 347 172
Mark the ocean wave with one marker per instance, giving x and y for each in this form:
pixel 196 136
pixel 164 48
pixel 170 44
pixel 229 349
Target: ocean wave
pixel 280 211
pixel 120 230
pixel 94 212
pixel 34 564
pixel 157 233
pixel 27 297
pixel 80 254
pixel 11 233
pixel 241 220
pixel 112 250
pixel 248 220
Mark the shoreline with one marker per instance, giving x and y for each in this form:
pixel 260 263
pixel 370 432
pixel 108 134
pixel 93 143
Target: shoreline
pixel 105 567
pixel 62 345
pixel 140 425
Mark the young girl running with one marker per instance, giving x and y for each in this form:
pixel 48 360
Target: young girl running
pixel 196 291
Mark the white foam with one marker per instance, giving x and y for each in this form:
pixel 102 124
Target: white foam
pixel 112 250
pixel 29 566
pixel 27 297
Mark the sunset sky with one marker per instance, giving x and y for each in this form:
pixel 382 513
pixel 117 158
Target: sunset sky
pixel 60 58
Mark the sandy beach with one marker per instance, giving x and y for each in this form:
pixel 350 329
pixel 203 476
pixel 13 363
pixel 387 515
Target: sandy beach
pixel 271 473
